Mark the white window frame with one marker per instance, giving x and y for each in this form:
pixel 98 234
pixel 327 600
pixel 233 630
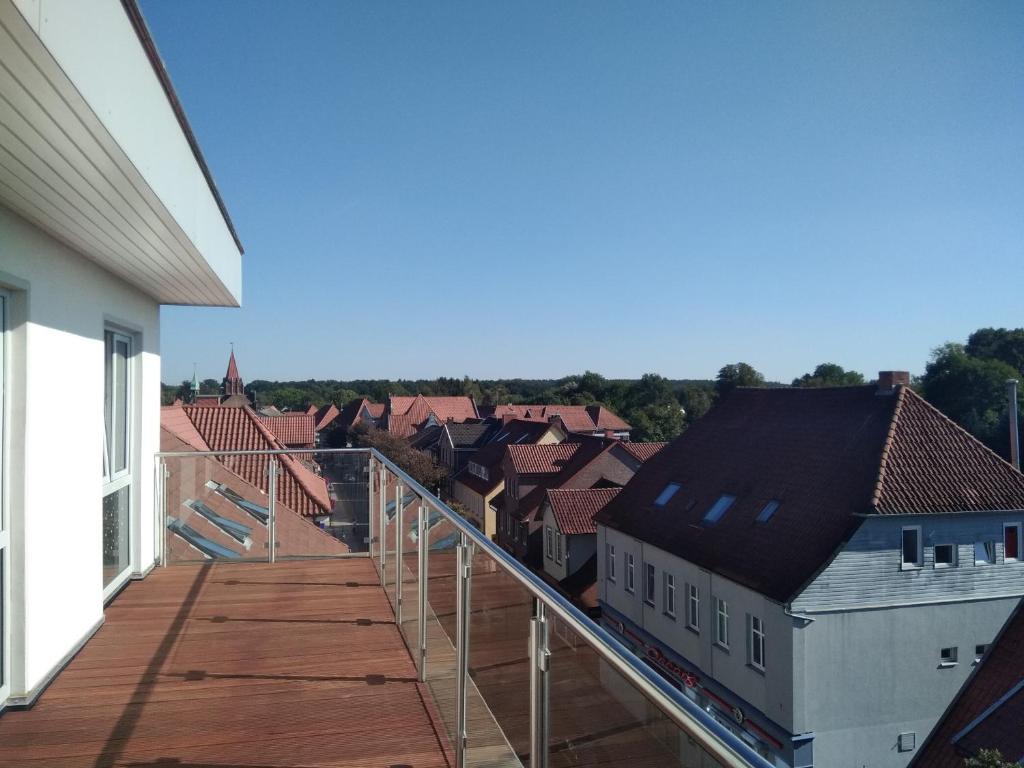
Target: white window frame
pixel 549 543
pixel 935 559
pixel 1017 527
pixel 693 607
pixel 982 544
pixel 670 594
pixel 721 623
pixel 949 657
pixel 558 547
pixel 609 554
pixel 650 586
pixel 116 480
pixel 755 639
pixel 904 565
pixel 630 568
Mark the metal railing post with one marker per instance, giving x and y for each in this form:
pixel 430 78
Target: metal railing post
pixel 421 606
pixel 161 518
pixel 464 565
pixel 272 509
pixel 539 658
pixel 382 545
pixel 369 505
pixel 398 555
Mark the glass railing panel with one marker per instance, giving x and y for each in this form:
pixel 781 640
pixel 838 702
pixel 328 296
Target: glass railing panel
pixel 498 690
pixel 347 478
pixel 407 560
pixel 442 540
pixel 211 513
pixel 597 717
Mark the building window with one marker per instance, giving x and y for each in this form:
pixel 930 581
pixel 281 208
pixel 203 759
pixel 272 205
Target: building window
pixel 648 583
pixel 906 742
pixel 670 594
pixel 478 470
pixel 609 550
pixel 912 547
pixel 755 642
pixel 549 542
pixel 118 409
pixel 1011 542
pixel 666 495
pixel 558 547
pixel 693 607
pixel 979 651
pixel 945 555
pixel 721 623
pixel 947 656
pixel 719 508
pixel 984 552
pixel 767 511
pixel 629 572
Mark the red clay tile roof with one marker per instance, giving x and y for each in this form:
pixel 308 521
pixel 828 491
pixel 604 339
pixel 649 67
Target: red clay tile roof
pixel 541 459
pixel 291 429
pixel 642 451
pixel 375 409
pixel 517 431
pixel 323 416
pixel 174 419
pixel 574 508
pixel 459 408
pixel 351 413
pixel 988 712
pixel 240 429
pixel 576 418
pixel 829 456
pixel 312 409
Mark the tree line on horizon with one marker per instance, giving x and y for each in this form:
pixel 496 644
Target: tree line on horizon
pixel 967 382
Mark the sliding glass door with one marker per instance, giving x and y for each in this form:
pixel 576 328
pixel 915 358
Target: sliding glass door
pixel 117 458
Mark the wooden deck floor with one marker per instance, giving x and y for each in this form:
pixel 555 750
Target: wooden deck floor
pixel 291 665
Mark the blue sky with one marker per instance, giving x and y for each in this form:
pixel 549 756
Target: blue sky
pixel 535 189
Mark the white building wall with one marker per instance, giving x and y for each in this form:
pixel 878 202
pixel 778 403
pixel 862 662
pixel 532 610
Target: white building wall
pixel 60 305
pixel 770 691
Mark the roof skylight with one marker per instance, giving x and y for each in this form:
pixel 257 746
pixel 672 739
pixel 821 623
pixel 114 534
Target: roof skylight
pixel 766 513
pixel 666 495
pixel 719 508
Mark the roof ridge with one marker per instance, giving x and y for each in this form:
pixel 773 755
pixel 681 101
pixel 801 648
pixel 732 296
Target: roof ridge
pixel 890 436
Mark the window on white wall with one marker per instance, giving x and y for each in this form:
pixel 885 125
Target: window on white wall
pixel 609 556
pixel 670 594
pixel 649 587
pixel 945 555
pixel 911 546
pixel 693 607
pixel 629 572
pixel 984 552
pixel 549 542
pixel 558 547
pixel 721 623
pixel 1011 542
pixel 755 642
pixel 118 409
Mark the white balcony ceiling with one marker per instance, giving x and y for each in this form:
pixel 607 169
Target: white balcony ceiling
pixel 91 151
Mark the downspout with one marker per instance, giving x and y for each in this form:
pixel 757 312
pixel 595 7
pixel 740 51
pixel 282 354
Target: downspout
pixel 1011 393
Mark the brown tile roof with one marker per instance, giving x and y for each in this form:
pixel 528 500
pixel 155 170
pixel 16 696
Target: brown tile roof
pixel 576 418
pixel 291 429
pixel 517 431
pixel 541 459
pixel 829 456
pixel 351 412
pixel 240 429
pixel 642 451
pixel 375 409
pixel 574 508
pixel 988 712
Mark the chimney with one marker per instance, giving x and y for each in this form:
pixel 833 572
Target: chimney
pixel 889 380
pixel 1011 393
pixel 507 417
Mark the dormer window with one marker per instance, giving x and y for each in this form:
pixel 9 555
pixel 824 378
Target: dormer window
pixel 911 546
pixel 478 470
pixel 719 508
pixel 666 495
pixel 767 511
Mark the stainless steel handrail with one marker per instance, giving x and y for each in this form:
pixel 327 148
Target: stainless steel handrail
pixel 714 738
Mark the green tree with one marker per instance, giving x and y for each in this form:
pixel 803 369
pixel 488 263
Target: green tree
pixel 420 466
pixel 1005 345
pixel 989 758
pixel 971 391
pixel 696 401
pixel 736 375
pixel 829 375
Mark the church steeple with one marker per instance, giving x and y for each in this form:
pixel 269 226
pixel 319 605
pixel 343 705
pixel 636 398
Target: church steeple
pixel 232 384
pixel 195 385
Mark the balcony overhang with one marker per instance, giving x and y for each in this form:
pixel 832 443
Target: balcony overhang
pixel 95 150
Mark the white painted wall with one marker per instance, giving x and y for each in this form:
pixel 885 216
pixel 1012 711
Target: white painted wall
pixel 145 125
pixel 61 302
